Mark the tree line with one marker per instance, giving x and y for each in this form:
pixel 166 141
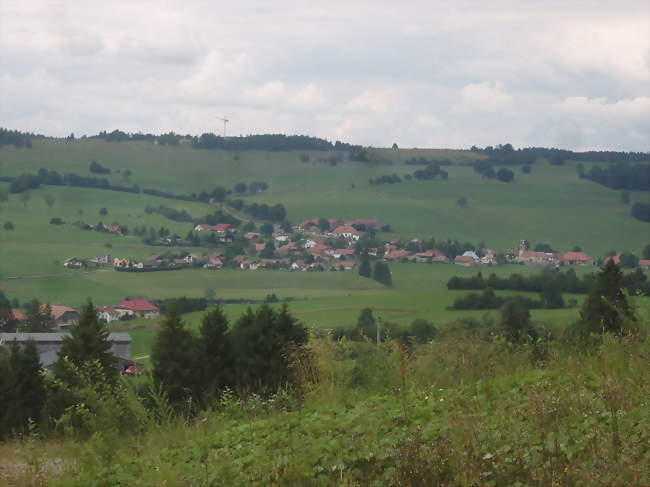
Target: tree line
pixel 270 142
pixel 506 154
pixel 15 138
pixel 568 282
pixel 620 176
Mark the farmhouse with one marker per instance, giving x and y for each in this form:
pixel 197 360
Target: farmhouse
pixel 141 308
pixel 101 259
pixel 63 316
pixel 396 255
pixel 464 260
pixel 72 262
pixel 214 262
pixel 107 314
pixel 644 264
pixel 347 232
pixel 49 344
pixel 577 258
pixel 530 257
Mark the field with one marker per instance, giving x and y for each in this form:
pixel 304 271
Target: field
pixel 549 205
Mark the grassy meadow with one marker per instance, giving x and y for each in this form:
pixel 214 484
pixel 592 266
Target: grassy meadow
pixel 549 205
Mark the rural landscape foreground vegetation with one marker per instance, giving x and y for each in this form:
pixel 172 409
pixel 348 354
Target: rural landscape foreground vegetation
pixel 306 312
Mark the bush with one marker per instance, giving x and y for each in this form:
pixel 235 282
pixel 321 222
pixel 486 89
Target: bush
pixel 56 221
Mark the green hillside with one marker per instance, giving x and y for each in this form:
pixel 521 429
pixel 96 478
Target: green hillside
pixel 551 204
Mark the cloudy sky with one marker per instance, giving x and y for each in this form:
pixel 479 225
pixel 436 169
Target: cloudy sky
pixel 572 74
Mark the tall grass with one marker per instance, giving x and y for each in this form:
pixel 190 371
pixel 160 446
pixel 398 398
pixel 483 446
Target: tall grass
pixel 461 410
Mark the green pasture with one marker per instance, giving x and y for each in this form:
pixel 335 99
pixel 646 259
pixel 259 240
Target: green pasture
pixel 549 205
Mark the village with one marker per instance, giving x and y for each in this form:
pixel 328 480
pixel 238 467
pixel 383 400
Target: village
pixel 320 244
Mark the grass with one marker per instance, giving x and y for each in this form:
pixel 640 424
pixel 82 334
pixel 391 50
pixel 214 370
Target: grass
pixel 551 204
pixel 458 411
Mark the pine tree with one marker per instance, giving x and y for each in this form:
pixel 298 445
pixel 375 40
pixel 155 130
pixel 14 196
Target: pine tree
pixel 88 340
pixel 261 341
pixel 38 318
pixel 216 351
pixel 28 386
pixel 173 357
pixel 365 269
pixel 382 274
pixel 6 393
pixel 515 323
pixel 366 323
pixel 606 308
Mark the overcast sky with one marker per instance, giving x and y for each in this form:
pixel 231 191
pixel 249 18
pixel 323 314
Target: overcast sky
pixel 571 74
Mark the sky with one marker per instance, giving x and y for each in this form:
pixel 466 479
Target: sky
pixel 570 74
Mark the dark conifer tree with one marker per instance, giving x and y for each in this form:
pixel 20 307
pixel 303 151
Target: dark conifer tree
pixel 382 274
pixel 173 357
pixel 365 269
pixel 88 340
pixel 606 308
pixel 515 323
pixel 216 351
pixel 28 386
pixel 6 393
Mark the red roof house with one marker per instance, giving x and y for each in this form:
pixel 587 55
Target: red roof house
pixel 577 258
pixel 139 307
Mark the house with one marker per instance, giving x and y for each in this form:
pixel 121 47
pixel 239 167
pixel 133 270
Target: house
pixel 465 260
pixel 577 258
pixel 192 258
pixel 225 228
pixel 178 263
pixel 101 259
pixel 72 262
pixel 201 227
pixel 339 253
pixel 440 259
pixel 249 265
pixel 259 247
pixel 616 258
pixel 309 243
pixel 347 232
pixel 537 258
pixel 286 249
pixel 281 237
pixel 121 263
pixel 63 316
pixel 49 344
pixel 644 264
pixel 214 262
pixel 397 254
pixel 471 253
pixel 347 265
pixel 17 316
pixel 298 265
pixel 318 250
pixel 114 229
pixel 252 237
pixel 428 255
pixel 141 308
pixel 108 314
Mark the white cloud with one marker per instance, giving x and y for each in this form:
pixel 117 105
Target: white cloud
pixel 377 72
pixel 484 97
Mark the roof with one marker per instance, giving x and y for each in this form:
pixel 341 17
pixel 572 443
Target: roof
pixel 345 229
pixel 576 256
pixel 137 305
pixel 463 258
pixel 17 315
pixel 58 311
pixel 644 263
pixel 107 309
pixel 54 337
pixel 396 254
